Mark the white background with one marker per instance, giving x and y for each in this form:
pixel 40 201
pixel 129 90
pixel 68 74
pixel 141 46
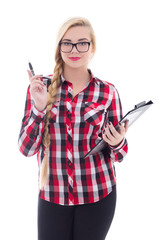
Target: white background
pixel 128 55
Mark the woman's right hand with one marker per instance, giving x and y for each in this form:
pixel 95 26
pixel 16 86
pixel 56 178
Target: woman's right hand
pixel 38 91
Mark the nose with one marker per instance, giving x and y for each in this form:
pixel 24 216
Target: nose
pixel 74 49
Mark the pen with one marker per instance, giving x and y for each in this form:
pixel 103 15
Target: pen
pixel 48 78
pixel 31 68
pixel 43 77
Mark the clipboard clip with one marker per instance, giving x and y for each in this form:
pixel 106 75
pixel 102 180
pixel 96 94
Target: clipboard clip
pixel 140 104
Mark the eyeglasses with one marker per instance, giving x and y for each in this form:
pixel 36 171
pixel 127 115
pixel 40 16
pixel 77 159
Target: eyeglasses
pixel 81 47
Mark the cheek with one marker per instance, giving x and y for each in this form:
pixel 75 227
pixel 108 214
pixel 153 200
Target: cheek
pixel 87 57
pixel 63 56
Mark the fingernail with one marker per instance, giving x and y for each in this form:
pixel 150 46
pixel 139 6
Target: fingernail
pixel 109 123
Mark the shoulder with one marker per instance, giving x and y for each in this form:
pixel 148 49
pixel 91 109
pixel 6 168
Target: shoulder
pixel 107 86
pixel 107 89
pixel 104 82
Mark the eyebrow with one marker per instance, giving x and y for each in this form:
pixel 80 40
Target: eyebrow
pixel 81 39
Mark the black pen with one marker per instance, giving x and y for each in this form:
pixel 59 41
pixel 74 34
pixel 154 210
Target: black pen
pixel 31 68
pixel 48 78
pixel 43 77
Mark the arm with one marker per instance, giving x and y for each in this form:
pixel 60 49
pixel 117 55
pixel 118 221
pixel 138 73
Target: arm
pixel 117 154
pixel 116 139
pixel 32 128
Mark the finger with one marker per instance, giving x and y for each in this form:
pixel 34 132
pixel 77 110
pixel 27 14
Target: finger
pixel 37 89
pixel 37 81
pixel 37 77
pixel 37 84
pixel 126 125
pixel 29 74
pixel 108 133
pixel 114 132
pixel 122 129
pixel 105 138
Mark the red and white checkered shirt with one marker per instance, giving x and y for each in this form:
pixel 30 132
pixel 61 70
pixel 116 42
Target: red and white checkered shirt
pixel 76 126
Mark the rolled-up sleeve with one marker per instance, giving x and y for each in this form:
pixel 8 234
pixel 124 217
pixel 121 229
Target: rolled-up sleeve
pixel 32 128
pixel 115 114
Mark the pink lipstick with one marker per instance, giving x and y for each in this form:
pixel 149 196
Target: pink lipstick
pixel 74 58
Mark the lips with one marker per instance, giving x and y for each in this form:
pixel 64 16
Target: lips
pixel 74 58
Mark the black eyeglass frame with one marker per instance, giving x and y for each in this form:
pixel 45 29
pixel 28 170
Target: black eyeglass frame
pixel 75 45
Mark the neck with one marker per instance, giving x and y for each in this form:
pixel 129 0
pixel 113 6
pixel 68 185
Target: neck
pixel 77 75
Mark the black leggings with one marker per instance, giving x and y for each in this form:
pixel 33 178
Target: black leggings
pixel 78 222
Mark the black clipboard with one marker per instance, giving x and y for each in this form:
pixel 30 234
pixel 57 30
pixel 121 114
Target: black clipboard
pixel 131 116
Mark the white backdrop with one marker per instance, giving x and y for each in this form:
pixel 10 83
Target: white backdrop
pixel 128 55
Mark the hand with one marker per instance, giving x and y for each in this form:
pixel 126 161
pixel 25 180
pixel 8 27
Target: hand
pixel 114 137
pixel 38 91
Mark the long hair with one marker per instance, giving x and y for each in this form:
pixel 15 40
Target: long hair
pixel 55 83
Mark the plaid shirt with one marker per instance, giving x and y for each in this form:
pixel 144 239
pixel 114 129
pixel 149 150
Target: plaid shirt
pixel 76 126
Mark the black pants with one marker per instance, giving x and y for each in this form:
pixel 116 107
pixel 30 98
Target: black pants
pixel 79 222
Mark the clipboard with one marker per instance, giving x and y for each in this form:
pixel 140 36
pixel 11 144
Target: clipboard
pixel 131 116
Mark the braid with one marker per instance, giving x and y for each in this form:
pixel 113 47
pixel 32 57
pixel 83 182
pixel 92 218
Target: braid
pixel 52 93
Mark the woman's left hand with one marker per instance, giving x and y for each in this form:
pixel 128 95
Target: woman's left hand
pixel 114 137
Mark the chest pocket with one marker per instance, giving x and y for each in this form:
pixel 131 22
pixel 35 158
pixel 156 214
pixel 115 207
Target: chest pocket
pixel 94 113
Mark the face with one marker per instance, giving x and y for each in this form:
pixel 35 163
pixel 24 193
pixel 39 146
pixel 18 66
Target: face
pixel 75 59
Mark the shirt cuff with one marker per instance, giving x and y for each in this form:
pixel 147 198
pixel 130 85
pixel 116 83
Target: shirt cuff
pixel 119 146
pixel 37 115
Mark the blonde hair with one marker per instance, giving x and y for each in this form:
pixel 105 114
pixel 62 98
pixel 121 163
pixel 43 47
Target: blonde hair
pixel 55 82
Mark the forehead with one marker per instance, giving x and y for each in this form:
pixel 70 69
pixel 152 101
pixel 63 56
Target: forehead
pixel 76 33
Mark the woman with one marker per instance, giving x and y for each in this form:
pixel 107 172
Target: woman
pixel 63 120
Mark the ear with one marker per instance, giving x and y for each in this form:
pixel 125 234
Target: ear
pixel 92 53
pixel 92 50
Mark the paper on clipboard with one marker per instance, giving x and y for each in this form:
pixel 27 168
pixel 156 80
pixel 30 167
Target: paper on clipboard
pixel 134 114
pixel 131 116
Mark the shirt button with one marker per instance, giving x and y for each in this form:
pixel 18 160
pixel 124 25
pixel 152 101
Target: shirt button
pixel 71 182
pixel 69 90
pixel 68 113
pixel 69 164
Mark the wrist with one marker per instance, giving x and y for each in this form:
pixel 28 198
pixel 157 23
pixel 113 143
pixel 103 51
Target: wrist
pixel 40 108
pixel 117 145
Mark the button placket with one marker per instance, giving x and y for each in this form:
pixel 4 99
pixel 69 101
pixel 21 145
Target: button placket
pixel 69 145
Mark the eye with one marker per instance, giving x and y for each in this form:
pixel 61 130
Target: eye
pixel 66 43
pixel 83 43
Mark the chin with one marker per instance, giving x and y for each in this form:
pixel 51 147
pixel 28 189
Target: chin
pixel 77 64
pixel 74 65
